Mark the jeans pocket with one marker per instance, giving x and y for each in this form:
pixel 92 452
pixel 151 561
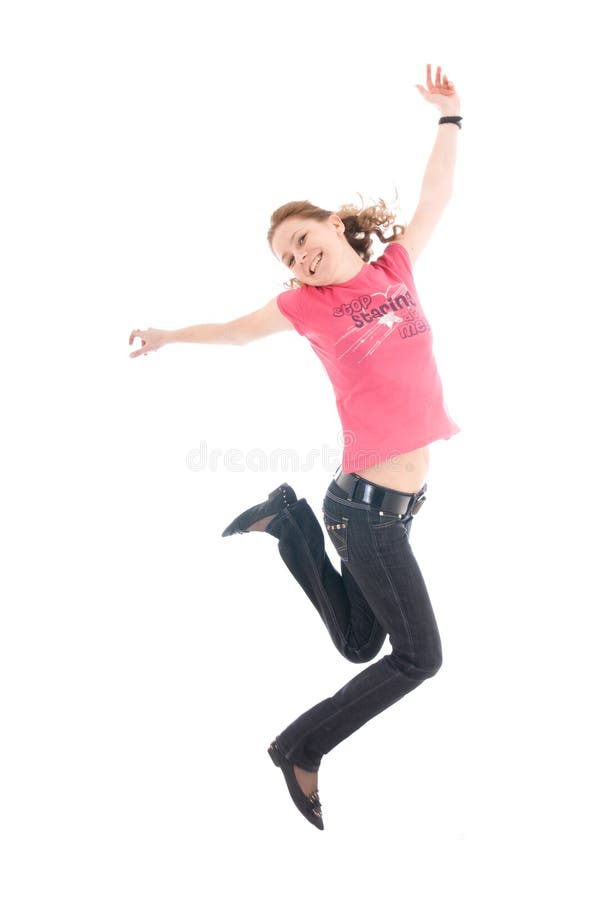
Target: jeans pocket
pixel 382 521
pixel 337 529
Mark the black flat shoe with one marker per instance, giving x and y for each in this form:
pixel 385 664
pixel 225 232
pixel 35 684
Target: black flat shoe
pixel 308 804
pixel 282 497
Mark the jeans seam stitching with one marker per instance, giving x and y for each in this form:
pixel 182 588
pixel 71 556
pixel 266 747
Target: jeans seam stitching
pixel 396 596
pixel 320 587
pixel 348 706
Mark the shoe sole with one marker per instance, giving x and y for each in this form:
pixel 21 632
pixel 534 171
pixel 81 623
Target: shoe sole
pixel 277 501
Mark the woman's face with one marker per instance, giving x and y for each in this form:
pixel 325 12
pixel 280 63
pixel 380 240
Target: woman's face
pixel 312 250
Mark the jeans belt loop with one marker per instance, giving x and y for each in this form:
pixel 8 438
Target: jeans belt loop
pixel 353 489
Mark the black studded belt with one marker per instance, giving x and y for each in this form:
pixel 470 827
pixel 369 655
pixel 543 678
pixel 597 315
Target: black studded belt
pixel 385 499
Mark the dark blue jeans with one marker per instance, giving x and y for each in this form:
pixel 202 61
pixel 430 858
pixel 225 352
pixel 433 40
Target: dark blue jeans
pixel 379 591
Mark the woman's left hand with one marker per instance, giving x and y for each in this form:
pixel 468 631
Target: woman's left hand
pixel 442 94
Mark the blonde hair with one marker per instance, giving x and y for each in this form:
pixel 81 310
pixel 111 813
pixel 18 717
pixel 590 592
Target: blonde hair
pixel 359 224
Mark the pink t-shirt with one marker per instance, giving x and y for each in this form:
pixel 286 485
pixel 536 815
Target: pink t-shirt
pixel 372 336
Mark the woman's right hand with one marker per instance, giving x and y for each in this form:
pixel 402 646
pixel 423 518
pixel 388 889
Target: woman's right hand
pixel 151 338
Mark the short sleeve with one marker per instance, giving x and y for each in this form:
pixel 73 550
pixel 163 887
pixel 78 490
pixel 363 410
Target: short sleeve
pixel 290 307
pixel 395 260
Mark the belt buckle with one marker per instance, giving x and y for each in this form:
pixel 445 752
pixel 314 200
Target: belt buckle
pixel 420 500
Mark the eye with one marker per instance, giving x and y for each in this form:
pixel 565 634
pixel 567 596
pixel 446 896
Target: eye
pixel 300 241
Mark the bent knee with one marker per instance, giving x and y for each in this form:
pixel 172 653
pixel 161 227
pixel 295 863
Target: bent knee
pixel 431 665
pixel 429 660
pixel 421 667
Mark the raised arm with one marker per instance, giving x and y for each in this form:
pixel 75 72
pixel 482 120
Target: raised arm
pixel 438 179
pixel 260 323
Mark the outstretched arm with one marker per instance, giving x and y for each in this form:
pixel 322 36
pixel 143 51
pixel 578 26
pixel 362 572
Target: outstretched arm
pixel 437 186
pixel 439 174
pixel 260 323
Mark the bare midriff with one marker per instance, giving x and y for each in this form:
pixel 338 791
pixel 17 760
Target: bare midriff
pixel 406 472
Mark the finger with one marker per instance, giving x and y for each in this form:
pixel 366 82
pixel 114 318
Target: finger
pixel 429 81
pixel 437 76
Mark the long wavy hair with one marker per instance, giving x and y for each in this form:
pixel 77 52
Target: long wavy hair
pixel 360 224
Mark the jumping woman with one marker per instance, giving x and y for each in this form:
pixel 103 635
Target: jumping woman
pixel 365 322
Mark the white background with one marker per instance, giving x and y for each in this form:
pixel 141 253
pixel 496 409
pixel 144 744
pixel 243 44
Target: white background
pixel 145 662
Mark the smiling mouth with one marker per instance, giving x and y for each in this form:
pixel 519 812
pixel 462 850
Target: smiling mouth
pixel 315 264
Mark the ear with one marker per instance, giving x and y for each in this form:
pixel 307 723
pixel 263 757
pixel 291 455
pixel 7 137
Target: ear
pixel 337 223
